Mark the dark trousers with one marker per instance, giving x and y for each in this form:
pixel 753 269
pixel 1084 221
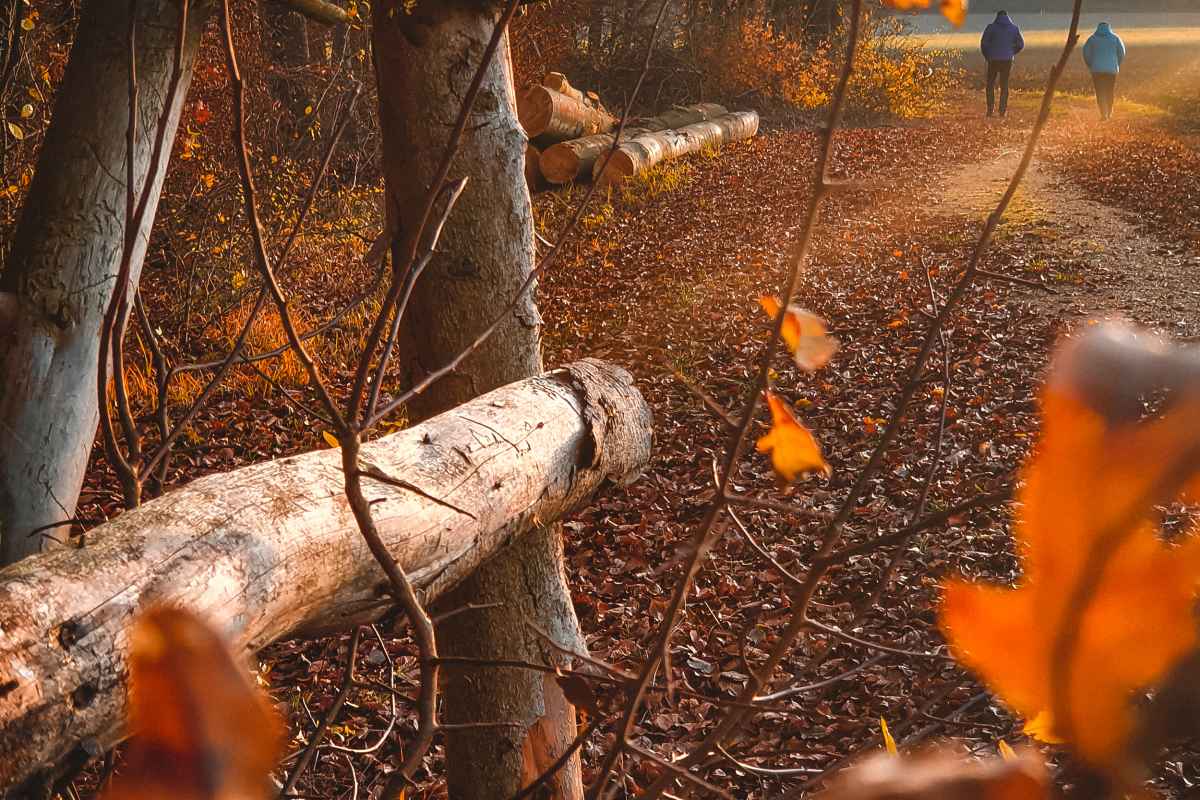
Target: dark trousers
pixel 998 71
pixel 1106 92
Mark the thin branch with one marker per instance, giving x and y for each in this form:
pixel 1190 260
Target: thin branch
pixel 709 531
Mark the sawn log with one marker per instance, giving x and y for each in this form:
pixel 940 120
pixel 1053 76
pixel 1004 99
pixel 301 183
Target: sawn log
pixel 549 116
pixel 644 151
pixel 567 161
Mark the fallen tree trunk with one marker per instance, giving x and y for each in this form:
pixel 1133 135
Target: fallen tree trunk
pixel 567 161
pixel 272 550
pixel 642 152
pixel 549 116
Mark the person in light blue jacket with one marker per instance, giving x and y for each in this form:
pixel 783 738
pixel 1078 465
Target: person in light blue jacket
pixel 1104 54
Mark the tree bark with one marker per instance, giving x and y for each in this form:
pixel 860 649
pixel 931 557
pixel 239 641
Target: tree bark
pixel 272 550
pixel 285 40
pixel 66 252
pixel 642 152
pixel 486 253
pixel 567 161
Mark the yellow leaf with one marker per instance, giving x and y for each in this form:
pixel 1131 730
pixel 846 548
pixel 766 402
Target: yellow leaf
pixel 794 451
pixel 16 131
pixel 27 24
pixel 330 439
pixel 27 111
pixel 1096 575
pixel 200 728
pixel 804 333
pixel 889 743
pixel 208 179
pixel 308 110
pixel 238 279
pixel 1006 751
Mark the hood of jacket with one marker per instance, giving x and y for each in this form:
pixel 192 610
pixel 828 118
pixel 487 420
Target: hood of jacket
pixel 1104 29
pixel 1002 18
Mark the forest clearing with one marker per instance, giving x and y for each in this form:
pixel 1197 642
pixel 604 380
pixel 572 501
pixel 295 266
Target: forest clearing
pixel 595 400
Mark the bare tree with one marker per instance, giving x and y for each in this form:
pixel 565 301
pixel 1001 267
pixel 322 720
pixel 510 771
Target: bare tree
pixel 70 243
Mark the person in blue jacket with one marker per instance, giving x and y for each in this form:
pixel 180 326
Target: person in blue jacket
pixel 1103 54
pixel 1001 42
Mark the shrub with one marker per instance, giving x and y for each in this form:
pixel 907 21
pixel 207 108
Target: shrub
pixel 894 75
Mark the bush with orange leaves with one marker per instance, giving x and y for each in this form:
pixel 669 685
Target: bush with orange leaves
pixel 893 75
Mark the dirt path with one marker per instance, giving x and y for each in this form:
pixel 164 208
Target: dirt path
pixel 1098 258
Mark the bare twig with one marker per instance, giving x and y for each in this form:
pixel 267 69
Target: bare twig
pixel 327 719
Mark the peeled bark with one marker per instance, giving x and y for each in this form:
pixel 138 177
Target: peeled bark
pixel 272 550
pixel 485 254
pixel 567 161
pixel 66 253
pixel 643 152
pixel 549 116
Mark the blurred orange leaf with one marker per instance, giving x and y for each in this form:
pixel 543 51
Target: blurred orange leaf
pixel 953 10
pixel 794 451
pixel 1096 576
pixel 201 730
pixel 942 775
pixel 804 333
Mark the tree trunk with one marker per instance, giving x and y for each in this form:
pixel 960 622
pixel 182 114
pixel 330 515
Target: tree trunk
pixel 643 152
pixel 66 252
pixel 285 40
pixel 567 161
pixel 550 116
pixel 486 253
pixel 272 550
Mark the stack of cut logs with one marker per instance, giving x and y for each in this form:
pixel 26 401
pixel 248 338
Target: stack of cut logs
pixel 572 135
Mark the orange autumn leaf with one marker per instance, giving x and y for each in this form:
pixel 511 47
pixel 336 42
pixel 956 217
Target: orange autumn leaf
pixel 1096 576
pixel 953 10
pixel 804 333
pixel 794 451
pixel 201 729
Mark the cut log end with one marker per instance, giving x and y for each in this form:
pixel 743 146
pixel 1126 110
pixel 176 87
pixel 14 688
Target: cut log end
pixel 533 171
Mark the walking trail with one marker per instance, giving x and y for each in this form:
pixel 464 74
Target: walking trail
pixel 1099 259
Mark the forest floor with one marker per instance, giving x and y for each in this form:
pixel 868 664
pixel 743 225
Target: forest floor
pixel 666 278
pixel 1105 224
